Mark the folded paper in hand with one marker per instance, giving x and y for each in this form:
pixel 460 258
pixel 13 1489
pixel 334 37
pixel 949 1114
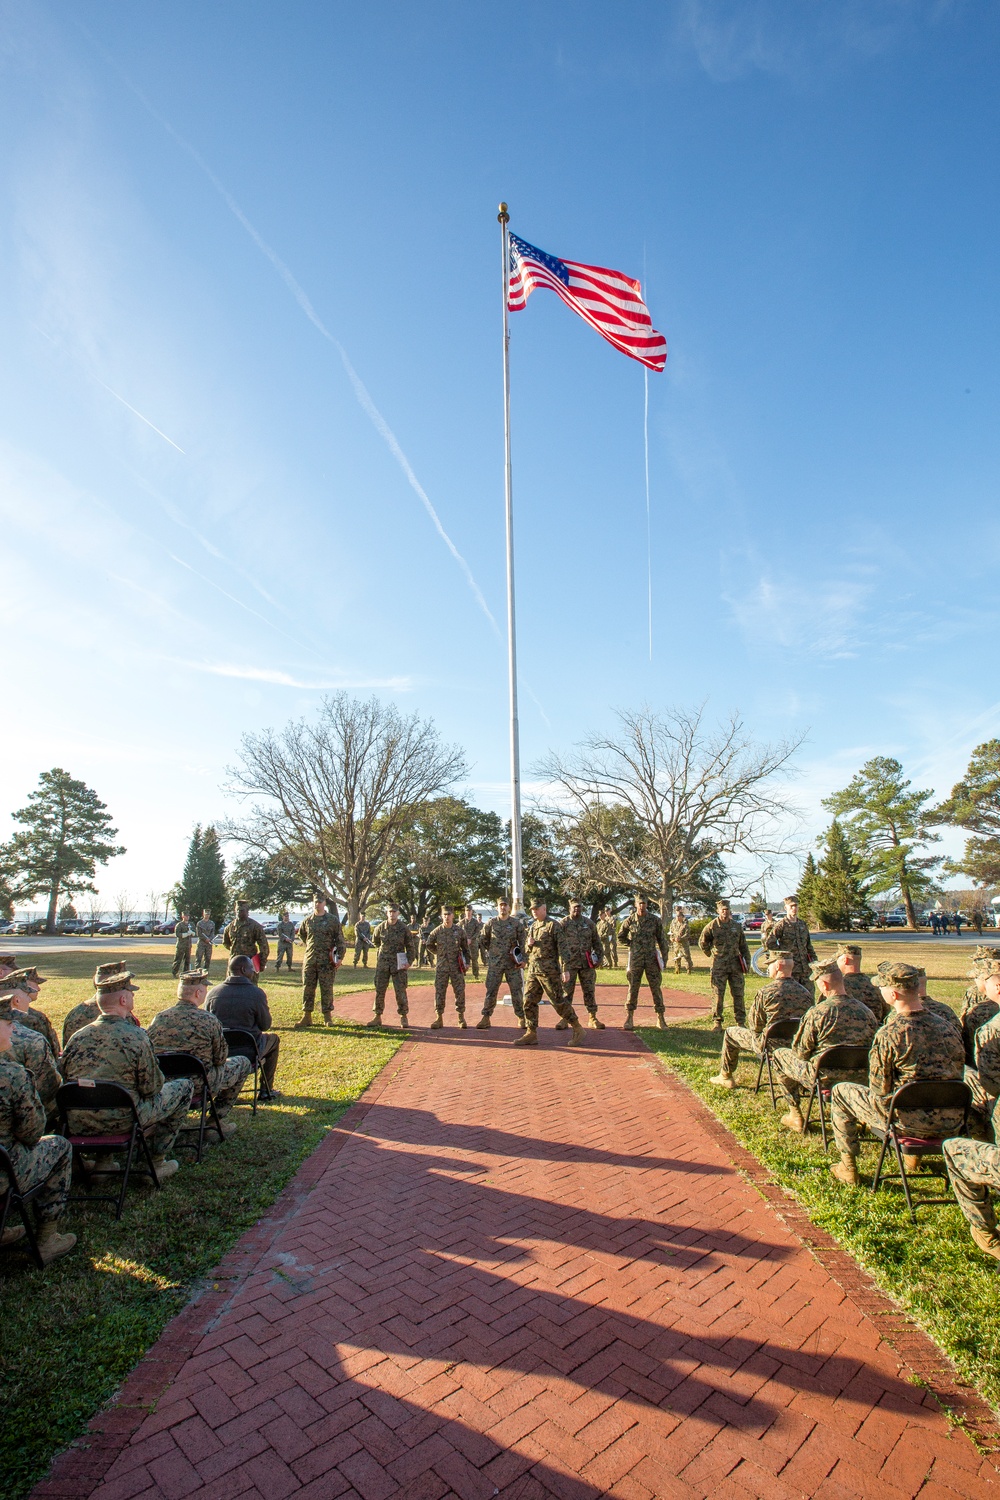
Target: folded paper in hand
pixel 401 961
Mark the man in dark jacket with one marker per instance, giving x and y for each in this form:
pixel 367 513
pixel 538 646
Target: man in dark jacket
pixel 239 1001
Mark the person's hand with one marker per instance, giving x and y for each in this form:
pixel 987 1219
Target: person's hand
pixel 565 976
pixel 263 966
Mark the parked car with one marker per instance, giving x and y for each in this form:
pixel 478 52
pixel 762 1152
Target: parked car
pixel 109 929
pixel 71 926
pixel 894 919
pixel 139 929
pixel 270 928
pixel 6 927
pixel 754 922
pixel 165 929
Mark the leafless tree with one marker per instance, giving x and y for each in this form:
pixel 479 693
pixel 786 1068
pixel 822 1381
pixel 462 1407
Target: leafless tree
pixel 690 796
pixel 124 908
pixel 153 907
pixel 332 797
pixel 95 912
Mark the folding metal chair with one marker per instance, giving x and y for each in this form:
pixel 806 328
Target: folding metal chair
pixel 774 1035
pixel 921 1093
pixel 186 1065
pixel 834 1060
pixel 101 1095
pixel 16 1197
pixel 243 1043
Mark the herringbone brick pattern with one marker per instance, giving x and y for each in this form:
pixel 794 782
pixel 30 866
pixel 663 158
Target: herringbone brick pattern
pixel 526 1275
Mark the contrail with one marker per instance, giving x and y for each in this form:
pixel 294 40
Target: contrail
pixel 360 389
pixel 139 414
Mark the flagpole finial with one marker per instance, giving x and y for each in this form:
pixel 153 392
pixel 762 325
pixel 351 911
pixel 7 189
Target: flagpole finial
pixel 503 217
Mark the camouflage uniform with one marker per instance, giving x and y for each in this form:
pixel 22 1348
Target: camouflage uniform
pixel 906 1047
pixel 81 1015
pixel 781 1000
pixel 983 1074
pixel 323 937
pixel 725 943
pixel 500 936
pixel 286 944
pixel 34 1054
pixel 423 933
pixel 544 974
pixel 473 929
pixel 113 1050
pixel 645 940
pixel 974 1016
pixel 185 1027
pixel 391 939
pixel 834 1022
pixel 246 936
pixel 680 943
pixel 974 1168
pixel 767 931
pixel 32 1018
pixel 942 1009
pixel 362 941
pixel 205 933
pixel 445 944
pixel 607 929
pixel 578 938
pixel 860 987
pixel 792 934
pixel 183 932
pixel 35 1157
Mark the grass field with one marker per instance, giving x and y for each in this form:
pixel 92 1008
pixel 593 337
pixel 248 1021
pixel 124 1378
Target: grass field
pixel 70 1334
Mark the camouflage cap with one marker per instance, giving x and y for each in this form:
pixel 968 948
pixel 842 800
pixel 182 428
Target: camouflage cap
pixel 723 901
pixel 537 901
pixel 848 950
pixel 824 966
pixel 193 978
pixel 898 976
pixel 774 954
pixel 981 950
pixel 24 978
pixel 112 983
pixel 9 960
pixel 990 968
pixel 104 971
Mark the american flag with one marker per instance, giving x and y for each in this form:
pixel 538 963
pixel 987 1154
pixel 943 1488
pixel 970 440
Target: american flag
pixel 607 300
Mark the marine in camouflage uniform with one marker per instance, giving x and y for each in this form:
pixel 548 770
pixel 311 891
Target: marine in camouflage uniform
pixel 913 1043
pixel 545 977
pixel 973 1169
pixel 792 934
pixel 204 930
pixel 783 999
pixel 324 948
pixel 391 938
pixel 449 947
pixel 836 1020
pixel 35 1157
pixel 939 1007
pixel 580 952
pixel 724 942
pixel 88 1010
pixel 858 985
pixel 286 941
pixel 977 1009
pixel 767 929
pixel 246 936
pixel 473 929
pixel 185 1027
pixel 607 928
pixel 16 994
pixel 680 942
pixel 642 931
pixel 362 941
pixel 183 934
pixel 501 935
pixel 34 1054
pixel 983 1073
pixel 423 933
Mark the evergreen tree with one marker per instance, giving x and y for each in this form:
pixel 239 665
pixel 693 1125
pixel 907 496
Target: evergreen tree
pixel 66 833
pixel 807 889
pixel 838 892
pixel 202 887
pixel 974 804
pixel 887 824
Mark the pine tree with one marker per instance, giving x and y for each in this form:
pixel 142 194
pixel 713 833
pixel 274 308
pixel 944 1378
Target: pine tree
pixel 839 893
pixel 887 823
pixel 66 833
pixel 185 893
pixel 213 876
pixel 807 888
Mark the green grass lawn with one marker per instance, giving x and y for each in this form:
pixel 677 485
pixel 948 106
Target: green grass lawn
pixel 934 1271
pixel 70 1334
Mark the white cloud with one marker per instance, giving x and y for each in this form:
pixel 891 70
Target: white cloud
pixel 284 679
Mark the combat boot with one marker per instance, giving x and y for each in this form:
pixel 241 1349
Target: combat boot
pixel 562 1024
pixel 661 1021
pixel 461 1021
pixel 52 1244
pixel 717 1024
pixel 164 1169
pixel 528 1038
pixel 911 1163
pixel 375 1024
pixel 986 1240
pixel 594 1023
pixel 846 1170
pixel 438 1022
pixel 579 1036
pixel 229 1129
pixel 12 1235
pixel 793 1121
pixel 328 1018
pixel 484 1023
pixel 629 1024
pixel 723 1081
pixel 307 1020
pixel 404 1020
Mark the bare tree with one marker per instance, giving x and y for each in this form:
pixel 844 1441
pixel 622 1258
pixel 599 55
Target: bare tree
pixel 124 908
pixel 333 797
pixel 95 912
pixel 153 907
pixel 686 795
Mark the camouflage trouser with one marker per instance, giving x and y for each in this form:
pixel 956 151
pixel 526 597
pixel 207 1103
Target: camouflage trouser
pixel 731 974
pixel 445 974
pixel 982 1102
pixel 680 951
pixel 383 974
pixel 498 969
pixel 182 957
pixel 313 973
pixel 852 1104
pixel 610 953
pixel 361 953
pixel 735 1040
pixel 424 958
pixel 588 986
pixel 203 957
pixel 796 1075
pixel 285 946
pixel 974 1168
pixel 51 1162
pixel 166 1111
pixel 639 968
pixel 800 973
pixel 550 983
pixel 226 1082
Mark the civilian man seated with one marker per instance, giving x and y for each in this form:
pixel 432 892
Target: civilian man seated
pixel 239 1001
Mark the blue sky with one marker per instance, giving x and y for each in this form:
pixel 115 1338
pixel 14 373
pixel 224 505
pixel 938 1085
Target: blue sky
pixel 211 215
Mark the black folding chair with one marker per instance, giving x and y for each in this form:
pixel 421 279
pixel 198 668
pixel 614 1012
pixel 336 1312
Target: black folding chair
pixel 186 1065
pixel 16 1197
pixel 243 1043
pixel 834 1060
pixel 775 1035
pixel 922 1093
pixel 101 1095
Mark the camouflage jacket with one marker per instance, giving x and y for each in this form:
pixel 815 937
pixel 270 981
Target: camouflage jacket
pixel 987 1055
pixel 940 1008
pixel 974 1015
pixel 187 1028
pixel 500 935
pixel 446 943
pixel 323 938
pixel 473 929
pixel 792 934
pixel 911 1047
pixel 247 937
pixel 113 1050
pixel 286 931
pixel 680 931
pixel 205 929
pixel 542 944
pixel 579 937
pixel 35 1055
pixel 81 1015
pixel 778 1001
pixel 608 929
pixel 391 938
pixel 834 1023
pixel 725 943
pixel 860 987
pixel 766 931
pixel 22 1116
pixel 643 936
pixel 183 932
pixel 32 1018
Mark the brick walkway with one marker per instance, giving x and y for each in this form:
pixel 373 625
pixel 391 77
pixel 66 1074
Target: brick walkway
pixel 524 1275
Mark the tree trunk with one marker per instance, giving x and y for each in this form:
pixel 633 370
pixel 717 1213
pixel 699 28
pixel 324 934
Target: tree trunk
pixel 50 919
pixel 666 899
pixel 911 916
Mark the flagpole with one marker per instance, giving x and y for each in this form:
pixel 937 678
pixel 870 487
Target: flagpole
pixel 516 875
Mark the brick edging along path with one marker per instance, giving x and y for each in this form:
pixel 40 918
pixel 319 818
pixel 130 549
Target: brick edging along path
pixel 532 1274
